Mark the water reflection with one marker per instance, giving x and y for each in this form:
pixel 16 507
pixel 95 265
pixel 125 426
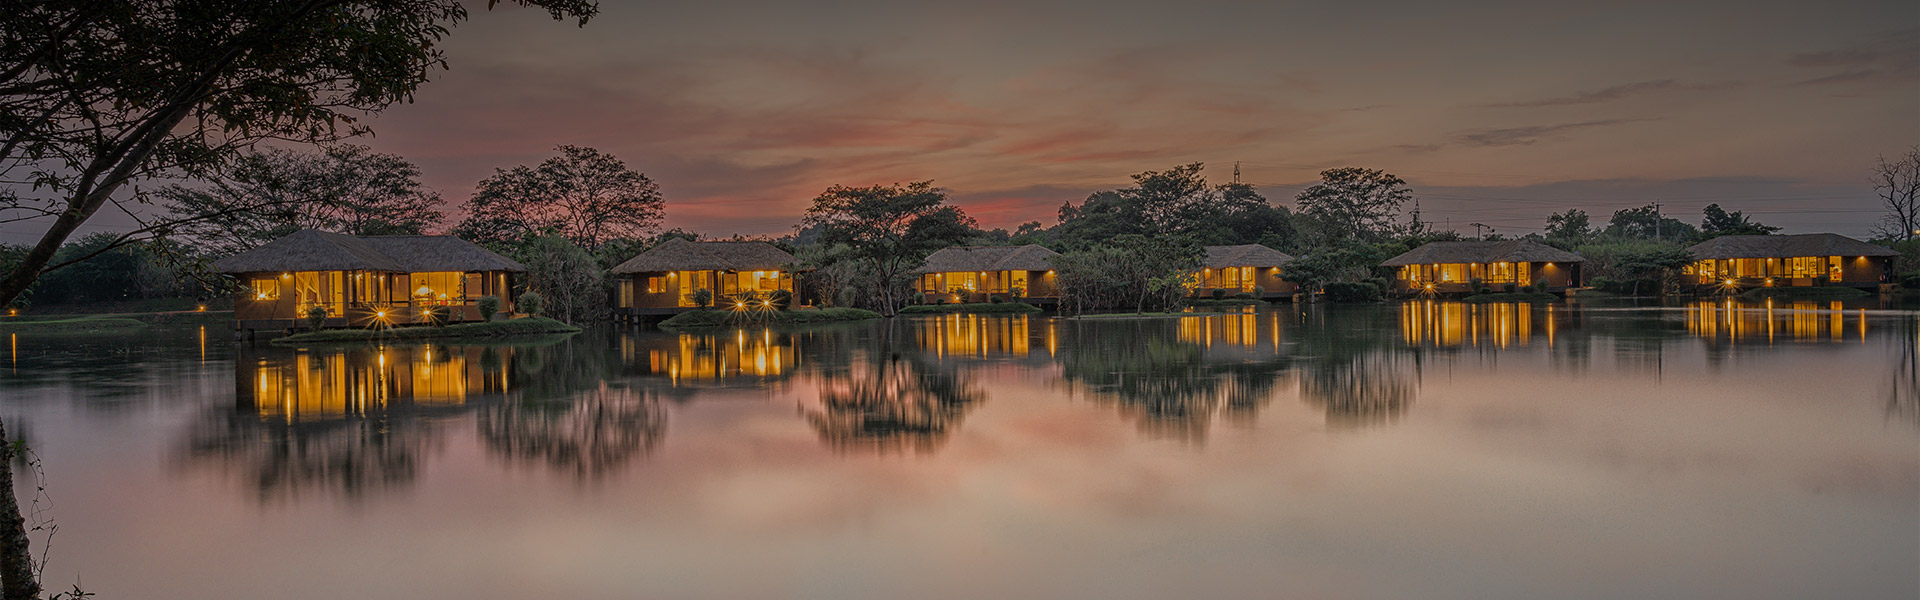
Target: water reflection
pixel 587 436
pixel 704 359
pixel 985 336
pixel 1730 322
pixel 1175 377
pixel 1438 324
pixel 347 421
pixel 356 421
pixel 884 400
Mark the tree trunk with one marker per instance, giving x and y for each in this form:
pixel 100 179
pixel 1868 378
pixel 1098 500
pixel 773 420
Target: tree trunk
pixel 17 581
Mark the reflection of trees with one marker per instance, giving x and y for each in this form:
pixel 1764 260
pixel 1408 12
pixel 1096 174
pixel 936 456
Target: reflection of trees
pixel 588 435
pixel 1157 372
pixel 1371 388
pixel 889 402
pixel 1903 389
pixel 355 457
pixel 1352 370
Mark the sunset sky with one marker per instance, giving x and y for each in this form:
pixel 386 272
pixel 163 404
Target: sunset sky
pixel 1499 113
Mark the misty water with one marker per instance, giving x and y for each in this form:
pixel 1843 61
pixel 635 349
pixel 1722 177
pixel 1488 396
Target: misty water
pixel 1417 450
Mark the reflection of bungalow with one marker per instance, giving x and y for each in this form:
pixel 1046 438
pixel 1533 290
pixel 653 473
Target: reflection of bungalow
pixel 1451 267
pixel 330 385
pixel 663 280
pixel 976 273
pixel 359 280
pixel 711 359
pixel 1789 260
pixel 1244 269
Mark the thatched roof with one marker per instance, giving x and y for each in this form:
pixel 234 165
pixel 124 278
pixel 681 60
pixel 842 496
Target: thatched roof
pixel 1785 246
pixel 1482 252
pixel 682 255
pixel 311 250
pixel 1244 255
pixel 955 259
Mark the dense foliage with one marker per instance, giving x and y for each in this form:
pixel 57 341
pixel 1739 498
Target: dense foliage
pixel 882 233
pixel 584 195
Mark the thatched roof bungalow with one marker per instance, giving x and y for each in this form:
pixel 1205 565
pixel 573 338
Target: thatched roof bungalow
pixel 1244 269
pixel 1451 267
pixel 1742 261
pixel 359 280
pixel 670 277
pixel 977 273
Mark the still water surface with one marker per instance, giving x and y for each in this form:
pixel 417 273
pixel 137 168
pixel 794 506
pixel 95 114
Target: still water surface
pixel 1420 450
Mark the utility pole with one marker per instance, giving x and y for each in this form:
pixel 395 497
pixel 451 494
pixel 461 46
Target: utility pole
pixel 1476 231
pixel 1656 221
pixel 1236 172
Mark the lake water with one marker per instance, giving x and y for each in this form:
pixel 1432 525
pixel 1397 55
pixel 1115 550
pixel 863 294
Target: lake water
pixel 1420 450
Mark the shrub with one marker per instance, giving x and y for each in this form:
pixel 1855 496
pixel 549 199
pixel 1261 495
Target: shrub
pixel 1476 283
pixel 1243 296
pixel 1910 280
pixel 702 297
pixel 919 297
pixel 1357 291
pixel 1510 287
pixel 1219 294
pixel 530 303
pixel 489 306
pixel 1259 291
pixel 1538 287
pixel 316 317
pixel 1017 294
pixel 780 299
pixel 847 296
pixel 996 299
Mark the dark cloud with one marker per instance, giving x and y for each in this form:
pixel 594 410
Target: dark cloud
pixel 1596 96
pixel 1894 56
pixel 1518 136
pixel 1617 92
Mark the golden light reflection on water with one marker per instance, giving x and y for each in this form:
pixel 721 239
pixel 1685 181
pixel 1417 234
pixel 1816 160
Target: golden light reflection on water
pixel 697 357
pixel 1244 330
pixel 1801 321
pixel 977 336
pixel 320 385
pixel 1448 324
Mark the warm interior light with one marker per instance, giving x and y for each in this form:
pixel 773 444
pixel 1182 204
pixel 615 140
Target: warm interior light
pixel 286 275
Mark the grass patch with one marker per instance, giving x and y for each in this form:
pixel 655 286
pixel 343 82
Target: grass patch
pixel 71 325
pixel 1512 297
pixel 1803 292
pixel 1225 302
pixel 729 318
pixel 531 326
pixel 977 307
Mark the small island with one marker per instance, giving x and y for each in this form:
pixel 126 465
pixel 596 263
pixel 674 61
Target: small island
pixel 530 326
pixel 970 307
pixel 708 317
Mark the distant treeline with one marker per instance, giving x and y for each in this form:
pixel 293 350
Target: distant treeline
pixel 576 215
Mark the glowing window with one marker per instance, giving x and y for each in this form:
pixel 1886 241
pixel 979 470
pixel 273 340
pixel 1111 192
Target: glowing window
pixel 265 289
